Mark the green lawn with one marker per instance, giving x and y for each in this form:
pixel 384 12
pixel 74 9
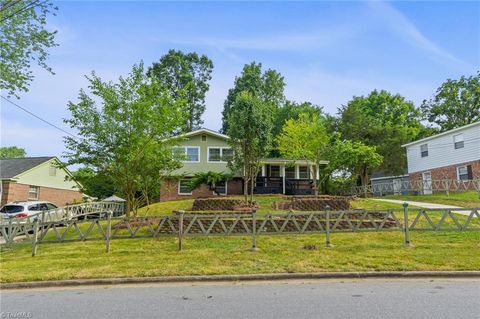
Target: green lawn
pixel 231 255
pixel 462 199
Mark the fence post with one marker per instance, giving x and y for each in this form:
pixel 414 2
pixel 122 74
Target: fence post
pixel 254 230
pixel 35 236
pixel 180 231
pixel 109 231
pixel 327 226
pixel 9 238
pixel 405 224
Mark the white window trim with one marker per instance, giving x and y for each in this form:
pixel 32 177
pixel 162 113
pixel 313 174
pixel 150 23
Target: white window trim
pixel 226 189
pixel 179 193
pixel 185 147
pixel 38 192
pixel 221 154
pixel 428 153
pixel 455 142
pixel 458 171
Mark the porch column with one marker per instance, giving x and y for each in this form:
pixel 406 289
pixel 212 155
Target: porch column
pixel 263 170
pixel 283 177
pixel 297 173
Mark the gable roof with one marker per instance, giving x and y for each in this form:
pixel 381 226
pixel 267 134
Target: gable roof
pixel 206 131
pixel 11 167
pixel 441 134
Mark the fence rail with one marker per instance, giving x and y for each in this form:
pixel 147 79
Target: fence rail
pixel 184 225
pixel 417 187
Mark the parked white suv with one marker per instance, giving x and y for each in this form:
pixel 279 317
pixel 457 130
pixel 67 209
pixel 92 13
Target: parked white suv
pixel 24 209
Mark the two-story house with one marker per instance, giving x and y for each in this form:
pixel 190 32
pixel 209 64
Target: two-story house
pixel 205 150
pixel 451 155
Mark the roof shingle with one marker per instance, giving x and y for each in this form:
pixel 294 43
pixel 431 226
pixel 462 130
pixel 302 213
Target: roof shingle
pixel 12 167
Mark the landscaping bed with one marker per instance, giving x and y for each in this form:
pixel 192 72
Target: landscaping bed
pixel 222 204
pixel 315 203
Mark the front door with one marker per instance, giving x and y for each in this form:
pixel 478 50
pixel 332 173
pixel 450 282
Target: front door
pixel 427 183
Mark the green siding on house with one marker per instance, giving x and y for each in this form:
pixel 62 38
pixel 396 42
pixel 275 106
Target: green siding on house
pixel 41 176
pixel 190 168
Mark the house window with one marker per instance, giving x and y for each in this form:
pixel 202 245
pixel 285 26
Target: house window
pixel 274 171
pixel 186 153
pixel 290 172
pixel 184 187
pixel 424 150
pixel 464 173
pixel 458 141
pixel 214 154
pixel 303 172
pixel 221 187
pixel 33 192
pixel 52 171
pixel 219 154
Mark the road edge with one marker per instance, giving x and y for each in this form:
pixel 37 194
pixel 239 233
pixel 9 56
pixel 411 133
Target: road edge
pixel 234 278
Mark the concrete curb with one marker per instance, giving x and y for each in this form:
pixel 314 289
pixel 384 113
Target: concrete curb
pixel 233 278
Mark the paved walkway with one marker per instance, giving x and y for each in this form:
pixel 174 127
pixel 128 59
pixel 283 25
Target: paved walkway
pixel 426 205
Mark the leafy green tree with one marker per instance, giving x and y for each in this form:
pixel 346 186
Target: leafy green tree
pixel 125 131
pixel 268 87
pixel 250 131
pixel 383 120
pixel 356 158
pixel 293 110
pixel 209 178
pixel 187 76
pixel 456 103
pixel 12 152
pixel 95 184
pixel 23 39
pixel 305 138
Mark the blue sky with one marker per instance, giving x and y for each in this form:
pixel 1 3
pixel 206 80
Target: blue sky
pixel 327 52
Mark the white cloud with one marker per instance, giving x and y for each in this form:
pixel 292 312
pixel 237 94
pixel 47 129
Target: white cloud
pixel 403 27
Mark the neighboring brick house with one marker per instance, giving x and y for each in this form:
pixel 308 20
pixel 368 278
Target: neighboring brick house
pixel 206 150
pixel 37 178
pixel 452 155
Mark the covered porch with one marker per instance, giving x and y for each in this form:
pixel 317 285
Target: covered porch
pixel 289 177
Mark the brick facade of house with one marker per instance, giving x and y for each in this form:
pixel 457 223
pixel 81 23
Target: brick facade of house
pixel 169 190
pixel 19 192
pixel 449 173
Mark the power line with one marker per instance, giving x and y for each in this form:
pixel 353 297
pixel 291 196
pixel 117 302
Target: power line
pixel 28 6
pixel 38 117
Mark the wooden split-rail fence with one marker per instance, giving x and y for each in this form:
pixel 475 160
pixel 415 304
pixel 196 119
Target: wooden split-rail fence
pixel 183 224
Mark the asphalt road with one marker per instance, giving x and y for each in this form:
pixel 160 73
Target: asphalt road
pixel 439 298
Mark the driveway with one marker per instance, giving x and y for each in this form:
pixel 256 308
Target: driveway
pixel 426 205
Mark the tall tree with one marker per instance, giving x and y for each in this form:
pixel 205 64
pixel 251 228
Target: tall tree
pixel 356 158
pixel 12 152
pixel 267 87
pixel 24 38
pixel 250 131
pixel 95 184
pixel 124 131
pixel 456 103
pixel 383 120
pixel 293 110
pixel 187 76
pixel 305 138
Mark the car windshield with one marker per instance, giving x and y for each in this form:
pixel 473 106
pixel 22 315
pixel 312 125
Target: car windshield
pixel 12 209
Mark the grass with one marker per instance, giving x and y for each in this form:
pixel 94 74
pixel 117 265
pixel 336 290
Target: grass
pixel 461 199
pixel 218 255
pixel 381 251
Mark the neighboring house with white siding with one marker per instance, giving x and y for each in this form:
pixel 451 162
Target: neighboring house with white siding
pixel 451 155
